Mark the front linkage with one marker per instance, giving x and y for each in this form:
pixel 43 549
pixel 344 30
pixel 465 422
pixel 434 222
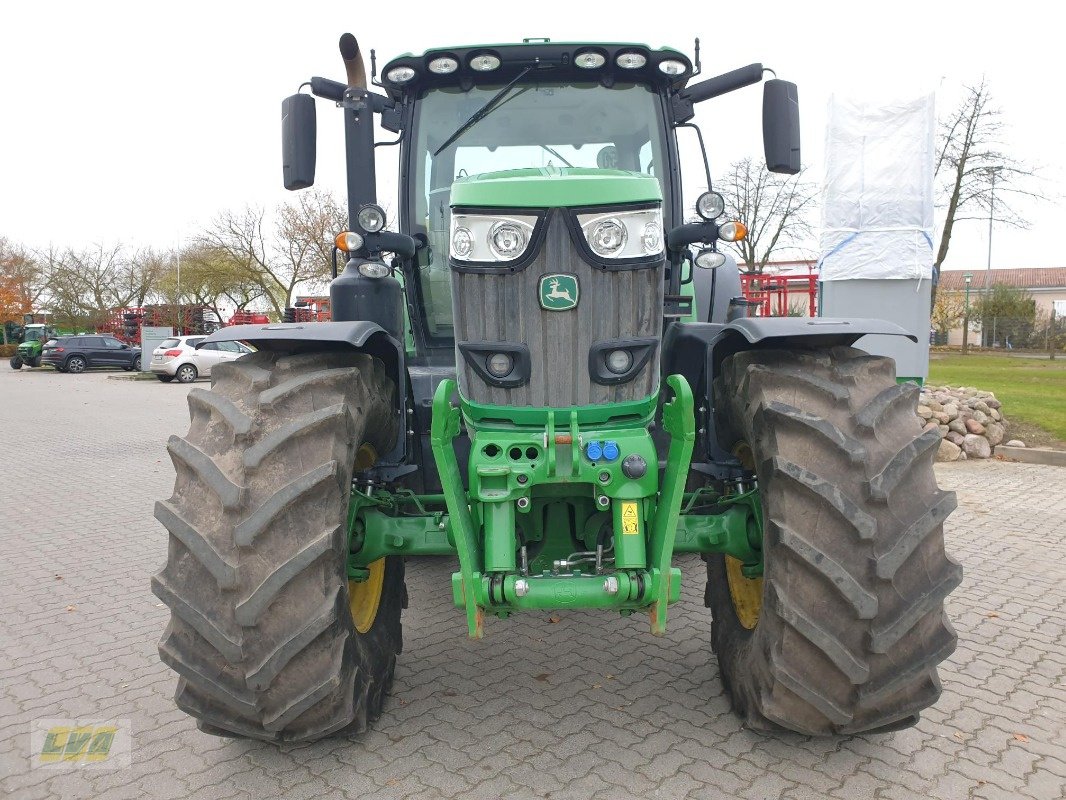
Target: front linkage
pixel 506 530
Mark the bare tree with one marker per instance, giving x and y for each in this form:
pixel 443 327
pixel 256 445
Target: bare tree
pixel 209 277
pixel 976 179
pixel 306 230
pixel 775 209
pixel 238 239
pixel 297 251
pixel 86 284
pixel 138 276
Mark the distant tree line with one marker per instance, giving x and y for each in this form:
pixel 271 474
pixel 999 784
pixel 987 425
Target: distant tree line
pixel 1008 317
pixel 250 257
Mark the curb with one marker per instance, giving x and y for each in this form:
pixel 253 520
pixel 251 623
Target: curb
pixel 136 376
pixel 1032 455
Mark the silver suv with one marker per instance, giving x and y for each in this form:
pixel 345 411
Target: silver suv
pixel 179 358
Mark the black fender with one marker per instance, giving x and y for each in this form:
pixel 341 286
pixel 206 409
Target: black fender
pixel 317 337
pixel 697 350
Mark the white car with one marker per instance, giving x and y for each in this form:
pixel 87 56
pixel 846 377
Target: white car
pixel 179 358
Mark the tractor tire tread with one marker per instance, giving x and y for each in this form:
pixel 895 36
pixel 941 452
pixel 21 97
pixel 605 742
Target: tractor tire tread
pixel 260 634
pixel 852 626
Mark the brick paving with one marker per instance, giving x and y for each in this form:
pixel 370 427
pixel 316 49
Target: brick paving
pixel 592 706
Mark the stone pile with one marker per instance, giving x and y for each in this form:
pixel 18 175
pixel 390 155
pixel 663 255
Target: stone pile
pixel 970 422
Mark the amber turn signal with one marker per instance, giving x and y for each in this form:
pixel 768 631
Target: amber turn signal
pixel 732 231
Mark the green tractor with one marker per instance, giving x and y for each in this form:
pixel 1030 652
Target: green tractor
pixel 551 379
pixel 31 343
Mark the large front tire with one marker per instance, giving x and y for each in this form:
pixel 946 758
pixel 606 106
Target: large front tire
pixel 844 632
pixel 262 632
pixel 15 362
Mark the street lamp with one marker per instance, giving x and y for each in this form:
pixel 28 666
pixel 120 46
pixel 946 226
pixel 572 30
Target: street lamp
pixel 993 172
pixel 968 278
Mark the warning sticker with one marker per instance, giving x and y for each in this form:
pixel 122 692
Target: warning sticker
pixel 630 518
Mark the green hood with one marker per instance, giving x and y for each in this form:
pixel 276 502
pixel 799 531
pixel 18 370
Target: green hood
pixel 553 187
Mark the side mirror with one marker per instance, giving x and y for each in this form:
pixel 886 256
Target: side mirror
pixel 298 139
pixel 781 126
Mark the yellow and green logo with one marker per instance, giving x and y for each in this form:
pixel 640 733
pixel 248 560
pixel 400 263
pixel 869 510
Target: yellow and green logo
pixel 77 743
pixel 559 292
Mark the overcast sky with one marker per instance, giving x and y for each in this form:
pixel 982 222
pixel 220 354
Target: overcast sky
pixel 138 122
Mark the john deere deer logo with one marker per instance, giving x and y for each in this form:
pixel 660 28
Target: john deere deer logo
pixel 558 292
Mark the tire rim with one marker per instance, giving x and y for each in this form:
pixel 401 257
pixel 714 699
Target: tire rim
pixel 746 593
pixel 185 375
pixel 364 597
pixel 76 365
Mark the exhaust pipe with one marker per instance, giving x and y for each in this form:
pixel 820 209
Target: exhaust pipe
pixel 353 61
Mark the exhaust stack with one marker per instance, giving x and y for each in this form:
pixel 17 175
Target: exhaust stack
pixel 353 61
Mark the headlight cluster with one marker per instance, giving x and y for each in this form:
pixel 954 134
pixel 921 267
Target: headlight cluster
pixel 623 234
pixel 490 239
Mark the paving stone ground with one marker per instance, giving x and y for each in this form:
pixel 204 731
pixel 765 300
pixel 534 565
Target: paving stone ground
pixel 590 707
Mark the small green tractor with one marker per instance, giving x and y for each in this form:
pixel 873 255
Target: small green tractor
pixel 31 343
pixel 550 378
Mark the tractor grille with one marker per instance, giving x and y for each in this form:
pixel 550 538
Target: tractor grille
pixel 623 304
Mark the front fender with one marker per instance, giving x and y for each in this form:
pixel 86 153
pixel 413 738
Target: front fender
pixel 311 337
pixel 749 333
pixel 697 350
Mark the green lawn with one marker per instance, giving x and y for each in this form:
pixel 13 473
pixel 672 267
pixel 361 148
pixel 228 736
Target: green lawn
pixel 1032 390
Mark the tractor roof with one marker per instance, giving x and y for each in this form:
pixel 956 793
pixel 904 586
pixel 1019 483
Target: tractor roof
pixel 554 61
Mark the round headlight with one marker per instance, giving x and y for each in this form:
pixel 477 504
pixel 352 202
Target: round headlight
pixel 710 205
pixel 348 242
pixel 400 74
pixel 486 62
pixel 373 269
pixel 607 237
pixel 732 231
pixel 672 66
pixel 590 59
pixel 652 238
pixel 371 218
pixel 631 60
pixel 500 365
pixel 443 65
pixel 709 259
pixel 506 240
pixel 462 242
pixel 619 361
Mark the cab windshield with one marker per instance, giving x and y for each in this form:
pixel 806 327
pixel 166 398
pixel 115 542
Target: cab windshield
pixel 533 125
pixel 34 334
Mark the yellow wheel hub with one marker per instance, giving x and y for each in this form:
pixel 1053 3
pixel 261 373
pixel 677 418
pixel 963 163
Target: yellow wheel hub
pixel 746 593
pixel 364 597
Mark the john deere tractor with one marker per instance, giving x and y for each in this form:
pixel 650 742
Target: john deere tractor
pixel 31 344
pixel 541 370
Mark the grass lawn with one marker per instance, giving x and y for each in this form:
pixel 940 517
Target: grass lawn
pixel 1032 390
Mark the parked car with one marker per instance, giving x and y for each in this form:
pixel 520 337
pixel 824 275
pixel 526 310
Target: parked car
pixel 179 358
pixel 79 353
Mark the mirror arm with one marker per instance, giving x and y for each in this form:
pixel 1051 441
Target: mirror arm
pixel 690 233
pixel 684 100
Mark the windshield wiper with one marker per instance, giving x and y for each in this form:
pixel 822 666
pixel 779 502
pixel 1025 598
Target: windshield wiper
pixel 482 112
pixel 557 154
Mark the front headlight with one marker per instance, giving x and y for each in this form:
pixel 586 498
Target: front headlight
pixel 487 239
pixel 623 234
